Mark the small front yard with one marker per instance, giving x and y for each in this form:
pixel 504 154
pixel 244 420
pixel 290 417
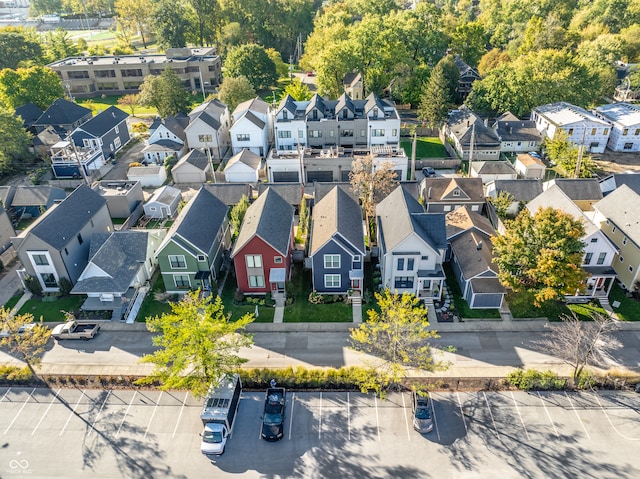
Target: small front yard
pixel 426 147
pixel 151 307
pixel 265 313
pixel 521 305
pixel 51 311
pixel 629 309
pixel 462 308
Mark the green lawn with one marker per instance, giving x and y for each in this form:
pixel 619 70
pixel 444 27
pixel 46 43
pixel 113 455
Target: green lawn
pixel 265 313
pixel 521 305
pixel 100 103
pixel 462 307
pixel 12 301
pixel 150 306
pixel 426 147
pixel 51 311
pixel 629 309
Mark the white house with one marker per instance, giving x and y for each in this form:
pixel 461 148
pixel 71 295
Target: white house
pixel 192 168
pixel 529 167
pixel 243 167
pixel 493 170
pixel 166 138
pixel 625 129
pixel 164 203
pixel 290 129
pixel 384 122
pixel 517 135
pixel 209 128
pixel 252 126
pixel 581 126
pixel 148 176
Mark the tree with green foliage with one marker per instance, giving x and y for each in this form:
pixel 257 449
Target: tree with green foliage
pixel 282 69
pixel 171 23
pixel 206 18
pixel 26 341
pixel 563 152
pixel 165 92
pixel 501 203
pixel 15 141
pixel 59 45
pixel 135 16
pixel 236 215
pixel 130 102
pixel 435 101
pixel 469 41
pixel 492 59
pixel 372 182
pixel 19 47
pixel 396 338
pixel 297 90
pixel 197 343
pixel 541 253
pixel 235 90
pixel 303 217
pixel 253 62
pixel 38 85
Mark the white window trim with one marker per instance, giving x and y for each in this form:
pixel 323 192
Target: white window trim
pixel 332 256
pixel 332 276
pixel 184 260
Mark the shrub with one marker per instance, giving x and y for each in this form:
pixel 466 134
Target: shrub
pixel 139 127
pixel 534 379
pixel 238 296
pixel 316 298
pixel 65 286
pixel 33 285
pixel 14 374
pixel 134 163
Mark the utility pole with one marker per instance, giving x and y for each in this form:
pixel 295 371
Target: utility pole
pixel 580 151
pixel 473 137
pixel 413 153
pixel 77 156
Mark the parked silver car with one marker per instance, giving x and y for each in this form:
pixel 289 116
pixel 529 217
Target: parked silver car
pixel 422 414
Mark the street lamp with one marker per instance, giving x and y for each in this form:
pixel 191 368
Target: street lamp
pixel 69 90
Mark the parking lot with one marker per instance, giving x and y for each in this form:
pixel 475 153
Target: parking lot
pixel 121 433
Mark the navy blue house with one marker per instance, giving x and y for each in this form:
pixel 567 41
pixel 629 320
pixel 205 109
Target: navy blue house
pixel 337 244
pixel 107 130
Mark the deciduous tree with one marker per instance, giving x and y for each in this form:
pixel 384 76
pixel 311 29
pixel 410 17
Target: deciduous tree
pixel 565 154
pixel 130 102
pixel 166 93
pixel 501 203
pixel 236 216
pixel 38 85
pixel 27 342
pixel 235 90
pixel 15 140
pixel 170 22
pixel 251 60
pixel 397 339
pixel 197 343
pixel 372 182
pixel 297 90
pixel 19 47
pixel 541 253
pixel 135 16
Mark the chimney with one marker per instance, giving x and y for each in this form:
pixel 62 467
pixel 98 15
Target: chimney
pixel 479 247
pixel 467 123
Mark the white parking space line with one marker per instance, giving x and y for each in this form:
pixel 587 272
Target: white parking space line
pixel 466 431
pixel 19 411
pixel 293 402
pixel 349 415
pixel 73 411
pixel 490 413
pixel 520 415
pixel 548 415
pixel 5 395
pixel 577 415
pixel 377 417
pixel 180 415
pixel 45 413
pixel 435 421
pixel 406 419
pixel 95 419
pixel 126 412
pixel 604 410
pixel 320 419
pixel 153 414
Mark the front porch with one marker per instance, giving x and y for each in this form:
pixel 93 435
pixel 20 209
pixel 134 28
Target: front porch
pixel 430 284
pixel 598 285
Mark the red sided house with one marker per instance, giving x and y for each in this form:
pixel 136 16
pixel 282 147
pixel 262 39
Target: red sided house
pixel 262 253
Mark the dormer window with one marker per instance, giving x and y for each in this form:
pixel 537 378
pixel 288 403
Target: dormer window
pixel 314 115
pixel 345 114
pixel 456 192
pixel 285 115
pixel 375 112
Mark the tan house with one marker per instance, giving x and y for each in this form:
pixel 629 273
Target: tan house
pixel 353 85
pixel 529 167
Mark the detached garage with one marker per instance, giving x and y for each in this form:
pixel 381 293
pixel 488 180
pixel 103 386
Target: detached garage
pixel 243 167
pixel 194 167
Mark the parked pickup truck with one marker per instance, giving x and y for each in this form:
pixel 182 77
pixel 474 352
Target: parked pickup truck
pixel 75 330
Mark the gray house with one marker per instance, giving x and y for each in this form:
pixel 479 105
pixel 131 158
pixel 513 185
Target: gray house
pixel 107 130
pixel 57 245
pixel 337 247
pixel 32 201
pixel 442 195
pixel 164 203
pixel 123 197
pixel 64 116
pixel 6 230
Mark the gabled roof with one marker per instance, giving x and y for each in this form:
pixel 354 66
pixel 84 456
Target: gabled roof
pixel 6 195
pixel 578 189
pixel 351 78
pixel 292 193
pixel 624 114
pixel 252 118
pixel 62 112
pixel 163 144
pixel 63 222
pixel 214 108
pixel 198 223
pixel 104 121
pixel 621 207
pixel 316 102
pixel 29 114
pixel 473 252
pixel 464 69
pixel 373 101
pixel 270 218
pixel 521 190
pixel 400 215
pixel 165 195
pixel 175 124
pixel 49 136
pixel 462 219
pixel 632 180
pixel 246 157
pixel 289 104
pixel 555 197
pixel 39 195
pixel 443 189
pixel 463 123
pixel 337 216
pixel 562 113
pixel 493 168
pixel 320 190
pixel 119 257
pixel 256 104
pixel 229 193
pixel 509 128
pixel 345 102
pixel 196 158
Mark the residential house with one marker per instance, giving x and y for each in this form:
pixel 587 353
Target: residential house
pixel 163 203
pixel 243 167
pixel 252 127
pixel 599 251
pixel 584 192
pixel 262 253
pixel 625 125
pixel 194 167
pixel 32 201
pixel 199 69
pixel 353 85
pixel 148 176
pixel 230 193
pixel 412 246
pixel 167 137
pixel 29 114
pixel 517 136
pixel 522 191
pixel 292 193
pixel 617 216
pixel 582 127
pixel 208 128
pixel 42 142
pixel 57 245
pixel 107 130
pixel 64 116
pixel 336 246
pixel 611 182
pixel 71 161
pixel 120 263
pixel 123 197
pixel 192 254
pixel 6 230
pixel 6 198
pixel 441 195
pixel 465 131
pixel 493 170
pixel 467 76
pixel 320 190
pixel 471 255
pixel 529 166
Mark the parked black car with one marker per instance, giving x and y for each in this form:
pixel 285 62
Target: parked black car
pixel 428 172
pixel 273 417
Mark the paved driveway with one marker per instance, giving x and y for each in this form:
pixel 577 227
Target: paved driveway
pixel 121 433
pixel 119 170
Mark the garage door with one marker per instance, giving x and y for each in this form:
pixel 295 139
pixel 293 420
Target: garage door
pixel 320 176
pixel 285 177
pixel 344 175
